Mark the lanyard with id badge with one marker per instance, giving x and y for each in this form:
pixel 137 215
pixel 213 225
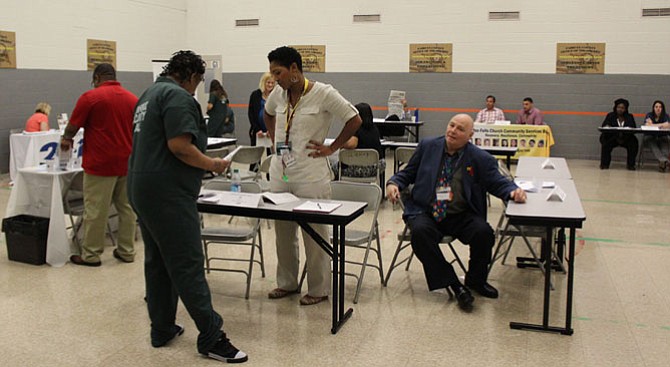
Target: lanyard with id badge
pixel 284 149
pixel 443 192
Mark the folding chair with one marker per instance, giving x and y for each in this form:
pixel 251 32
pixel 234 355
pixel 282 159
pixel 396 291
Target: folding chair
pixel 369 228
pixel 73 206
pixel 402 156
pixel 243 235
pixel 362 165
pixel 246 156
pixel 405 241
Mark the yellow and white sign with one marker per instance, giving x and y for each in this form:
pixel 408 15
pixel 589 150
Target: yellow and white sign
pixel 100 52
pixel 530 140
pixel 430 57
pixel 313 58
pixel 580 58
pixel 7 50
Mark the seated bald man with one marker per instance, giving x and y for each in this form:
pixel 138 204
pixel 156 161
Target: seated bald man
pixel 451 177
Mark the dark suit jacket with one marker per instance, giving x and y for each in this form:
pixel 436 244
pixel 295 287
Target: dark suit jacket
pixel 480 175
pixel 610 120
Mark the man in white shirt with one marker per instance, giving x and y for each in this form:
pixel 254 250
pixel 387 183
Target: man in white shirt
pixel 491 113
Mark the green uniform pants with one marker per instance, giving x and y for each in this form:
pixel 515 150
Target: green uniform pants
pixel 173 266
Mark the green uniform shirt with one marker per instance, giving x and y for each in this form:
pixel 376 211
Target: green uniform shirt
pixel 217 115
pixel 163 112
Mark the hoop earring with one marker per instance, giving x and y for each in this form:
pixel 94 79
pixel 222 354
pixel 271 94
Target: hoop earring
pixel 294 79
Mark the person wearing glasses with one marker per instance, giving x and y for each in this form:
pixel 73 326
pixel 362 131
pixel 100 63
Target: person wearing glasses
pixel 164 177
pixel 298 116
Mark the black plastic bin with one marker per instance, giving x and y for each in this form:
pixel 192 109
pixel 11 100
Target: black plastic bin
pixel 26 238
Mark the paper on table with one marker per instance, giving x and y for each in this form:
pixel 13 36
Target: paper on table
pixel 278 198
pixel 243 199
pixel 649 127
pixel 557 194
pixel 528 186
pixel 230 155
pixel 208 197
pixel 548 184
pixel 314 207
pixel 502 122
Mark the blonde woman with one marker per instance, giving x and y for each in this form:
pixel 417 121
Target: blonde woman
pixel 257 105
pixel 39 121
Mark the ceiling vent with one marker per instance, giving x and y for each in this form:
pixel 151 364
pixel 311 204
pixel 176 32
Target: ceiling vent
pixel 247 22
pixel 504 15
pixel 367 18
pixel 656 12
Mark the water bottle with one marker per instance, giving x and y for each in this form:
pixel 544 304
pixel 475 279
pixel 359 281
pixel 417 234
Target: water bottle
pixel 236 183
pixel 416 115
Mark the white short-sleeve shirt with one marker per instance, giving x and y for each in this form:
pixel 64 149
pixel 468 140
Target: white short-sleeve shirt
pixel 313 116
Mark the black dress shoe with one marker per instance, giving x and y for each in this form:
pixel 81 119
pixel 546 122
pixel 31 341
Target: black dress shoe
pixel 602 166
pixel 77 260
pixel 464 298
pixel 484 289
pixel 631 168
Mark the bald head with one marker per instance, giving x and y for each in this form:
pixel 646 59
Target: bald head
pixel 459 132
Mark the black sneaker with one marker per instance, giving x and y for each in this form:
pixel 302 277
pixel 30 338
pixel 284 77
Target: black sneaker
pixel 225 352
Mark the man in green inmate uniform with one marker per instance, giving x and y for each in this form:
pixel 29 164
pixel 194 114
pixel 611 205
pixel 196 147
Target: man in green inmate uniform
pixel 165 171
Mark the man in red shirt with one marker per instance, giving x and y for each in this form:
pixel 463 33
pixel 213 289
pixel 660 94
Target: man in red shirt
pixel 106 114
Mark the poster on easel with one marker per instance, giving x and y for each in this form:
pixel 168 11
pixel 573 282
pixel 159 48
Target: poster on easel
pixel 99 52
pixel 313 58
pixel 7 50
pixel 580 58
pixel 430 57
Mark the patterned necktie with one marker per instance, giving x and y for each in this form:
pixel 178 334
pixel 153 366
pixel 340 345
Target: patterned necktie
pixel 440 206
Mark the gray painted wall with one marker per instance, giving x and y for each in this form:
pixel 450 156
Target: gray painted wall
pixel 576 136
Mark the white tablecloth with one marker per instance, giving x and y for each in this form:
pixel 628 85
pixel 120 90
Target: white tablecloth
pixel 39 192
pixel 31 149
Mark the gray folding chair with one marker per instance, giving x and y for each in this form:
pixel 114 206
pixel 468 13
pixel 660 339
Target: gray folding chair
pixel 241 235
pixel 405 241
pixel 246 156
pixel 366 162
pixel 402 156
pixel 361 232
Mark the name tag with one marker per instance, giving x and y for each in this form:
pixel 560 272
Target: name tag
pixel 444 194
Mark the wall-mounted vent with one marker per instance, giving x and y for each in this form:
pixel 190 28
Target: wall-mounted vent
pixel 656 12
pixel 247 22
pixel 367 18
pixel 504 15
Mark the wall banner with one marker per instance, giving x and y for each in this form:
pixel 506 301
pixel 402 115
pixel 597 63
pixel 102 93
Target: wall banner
pixel 430 57
pixel 580 58
pixel 99 52
pixel 7 50
pixel 313 58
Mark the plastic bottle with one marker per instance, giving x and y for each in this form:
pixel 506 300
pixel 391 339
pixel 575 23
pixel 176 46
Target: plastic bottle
pixel 236 181
pixel 416 115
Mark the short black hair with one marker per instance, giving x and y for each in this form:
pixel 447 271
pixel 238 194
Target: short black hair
pixel 104 71
pixel 285 56
pixel 183 64
pixel 623 101
pixel 365 112
pixel 528 99
pixel 490 96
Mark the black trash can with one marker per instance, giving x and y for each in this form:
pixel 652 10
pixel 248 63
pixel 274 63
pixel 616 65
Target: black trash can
pixel 26 238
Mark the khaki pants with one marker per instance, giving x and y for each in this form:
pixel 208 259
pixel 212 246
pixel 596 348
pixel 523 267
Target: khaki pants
pixel 288 260
pixel 99 193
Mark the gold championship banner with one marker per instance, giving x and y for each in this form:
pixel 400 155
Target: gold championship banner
pixel 530 140
pixel 580 58
pixel 7 50
pixel 99 52
pixel 313 58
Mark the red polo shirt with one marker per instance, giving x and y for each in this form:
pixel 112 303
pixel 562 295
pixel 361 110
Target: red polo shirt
pixel 106 114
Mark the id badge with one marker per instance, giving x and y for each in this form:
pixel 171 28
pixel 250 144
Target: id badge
pixel 286 155
pixel 445 194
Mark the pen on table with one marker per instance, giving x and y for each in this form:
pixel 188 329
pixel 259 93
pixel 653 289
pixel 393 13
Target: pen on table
pixel 318 205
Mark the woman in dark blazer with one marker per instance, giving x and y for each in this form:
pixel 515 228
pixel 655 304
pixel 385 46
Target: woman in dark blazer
pixel 619 117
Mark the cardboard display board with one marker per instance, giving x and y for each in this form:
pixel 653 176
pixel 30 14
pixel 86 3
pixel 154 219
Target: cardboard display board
pixel 99 52
pixel 7 50
pixel 580 58
pixel 313 58
pixel 430 57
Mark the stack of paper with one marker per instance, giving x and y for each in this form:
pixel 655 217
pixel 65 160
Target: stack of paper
pixel 279 198
pixel 316 207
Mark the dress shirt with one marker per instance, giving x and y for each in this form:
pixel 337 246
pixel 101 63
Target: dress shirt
pixel 490 116
pixel 532 117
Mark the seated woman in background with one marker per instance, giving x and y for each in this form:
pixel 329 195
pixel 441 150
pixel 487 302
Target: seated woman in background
pixel 217 108
pixel 660 144
pixel 367 137
pixel 619 117
pixel 39 121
